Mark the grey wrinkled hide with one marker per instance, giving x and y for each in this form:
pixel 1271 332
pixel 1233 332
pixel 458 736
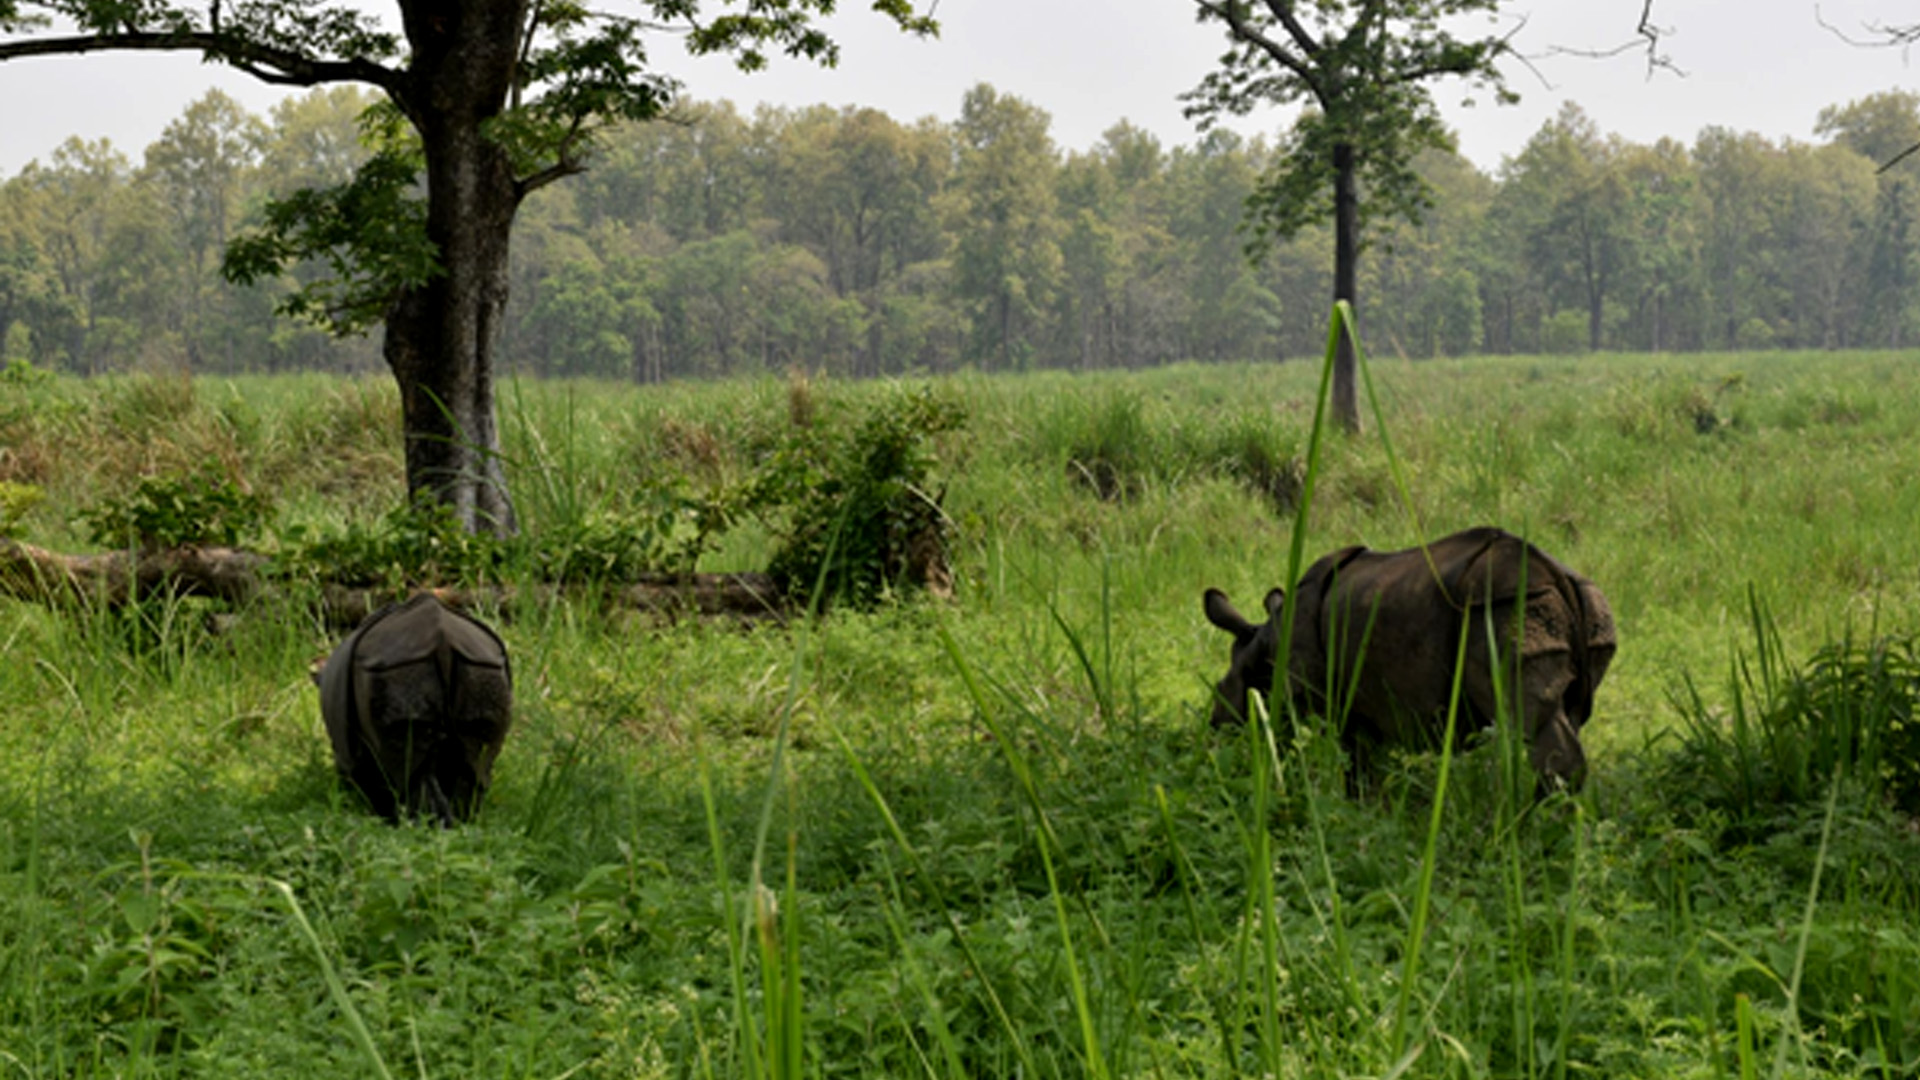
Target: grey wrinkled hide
pixel 417 703
pixel 1388 625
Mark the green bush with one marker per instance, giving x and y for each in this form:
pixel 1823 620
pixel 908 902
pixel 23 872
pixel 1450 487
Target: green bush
pixel 16 501
pixel 203 507
pixel 420 544
pixel 666 536
pixel 1847 716
pixel 20 372
pixel 1564 333
pixel 861 515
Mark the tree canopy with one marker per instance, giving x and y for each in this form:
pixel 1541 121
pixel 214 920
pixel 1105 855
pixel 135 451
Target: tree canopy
pixel 1362 69
pixel 730 243
pixel 486 101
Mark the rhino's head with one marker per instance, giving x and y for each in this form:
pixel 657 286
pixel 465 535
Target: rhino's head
pixel 1250 665
pixel 1554 750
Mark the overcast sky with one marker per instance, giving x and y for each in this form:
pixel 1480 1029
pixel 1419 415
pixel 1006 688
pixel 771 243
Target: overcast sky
pixel 1752 65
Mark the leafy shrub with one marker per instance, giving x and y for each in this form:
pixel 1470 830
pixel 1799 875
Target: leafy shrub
pixel 203 507
pixel 622 545
pixel 425 544
pixel 1113 451
pixel 860 514
pixel 1755 334
pixel 16 501
pixel 1672 407
pixel 1251 453
pixel 1564 333
pixel 1848 713
pixel 21 372
pixel 416 544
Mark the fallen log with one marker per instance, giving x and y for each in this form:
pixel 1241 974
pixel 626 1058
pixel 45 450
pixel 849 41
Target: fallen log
pixel 746 596
pixel 115 578
pixel 235 576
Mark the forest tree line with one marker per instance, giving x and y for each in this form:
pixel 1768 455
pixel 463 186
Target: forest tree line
pixel 850 242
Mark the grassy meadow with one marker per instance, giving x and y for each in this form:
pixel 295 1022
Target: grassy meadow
pixel 994 836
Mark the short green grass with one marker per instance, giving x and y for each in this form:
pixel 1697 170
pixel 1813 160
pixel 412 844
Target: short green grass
pixel 990 837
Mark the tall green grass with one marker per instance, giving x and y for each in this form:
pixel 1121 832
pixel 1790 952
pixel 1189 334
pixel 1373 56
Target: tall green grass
pixel 993 837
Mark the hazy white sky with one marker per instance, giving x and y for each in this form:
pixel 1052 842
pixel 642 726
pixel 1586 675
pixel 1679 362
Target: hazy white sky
pixel 1752 65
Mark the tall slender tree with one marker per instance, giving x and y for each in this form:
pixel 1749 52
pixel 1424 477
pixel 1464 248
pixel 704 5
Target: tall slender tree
pixel 1007 257
pixel 1362 68
pixel 490 101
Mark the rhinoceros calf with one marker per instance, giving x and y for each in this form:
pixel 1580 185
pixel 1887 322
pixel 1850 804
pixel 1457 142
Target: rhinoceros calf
pixel 1382 628
pixel 417 702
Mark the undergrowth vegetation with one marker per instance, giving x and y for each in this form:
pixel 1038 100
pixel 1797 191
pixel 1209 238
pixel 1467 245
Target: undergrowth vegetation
pixel 990 835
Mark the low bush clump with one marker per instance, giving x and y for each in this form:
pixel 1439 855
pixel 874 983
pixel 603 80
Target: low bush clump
pixel 202 507
pixel 1846 716
pixel 855 506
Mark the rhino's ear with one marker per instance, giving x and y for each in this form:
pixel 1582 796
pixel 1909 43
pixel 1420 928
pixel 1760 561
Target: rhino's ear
pixel 1221 613
pixel 1276 602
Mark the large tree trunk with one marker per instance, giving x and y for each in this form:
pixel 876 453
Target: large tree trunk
pixel 1346 278
pixel 441 335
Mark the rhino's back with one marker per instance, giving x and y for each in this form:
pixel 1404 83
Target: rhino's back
pixel 415 663
pixel 427 662
pixel 1399 614
pixel 419 630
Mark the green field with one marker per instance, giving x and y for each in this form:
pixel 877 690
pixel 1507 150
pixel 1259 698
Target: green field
pixel 991 836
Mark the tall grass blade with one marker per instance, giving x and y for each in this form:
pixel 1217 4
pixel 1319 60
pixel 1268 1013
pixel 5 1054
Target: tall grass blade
pixel 356 1025
pixel 1744 1038
pixel 1429 856
pixel 1793 1032
pixel 954 926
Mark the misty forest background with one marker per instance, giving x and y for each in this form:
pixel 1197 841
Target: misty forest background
pixel 857 244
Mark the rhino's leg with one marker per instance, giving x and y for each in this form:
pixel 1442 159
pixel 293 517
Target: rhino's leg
pixel 482 713
pixel 372 781
pixel 434 801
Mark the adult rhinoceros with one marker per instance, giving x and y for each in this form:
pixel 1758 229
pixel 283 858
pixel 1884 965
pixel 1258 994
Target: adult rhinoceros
pixel 417 702
pixel 1382 629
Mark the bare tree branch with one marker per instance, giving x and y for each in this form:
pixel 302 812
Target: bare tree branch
pixel 1229 12
pixel 1648 36
pixel 279 66
pixel 1284 12
pixel 1892 37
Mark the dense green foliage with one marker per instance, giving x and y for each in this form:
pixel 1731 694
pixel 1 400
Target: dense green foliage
pixel 1791 733
pixel 860 509
pixel 1365 71
pixel 853 243
pixel 994 834
pixel 204 507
